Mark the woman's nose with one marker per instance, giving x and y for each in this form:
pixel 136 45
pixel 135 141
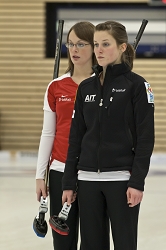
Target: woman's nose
pixel 100 49
pixel 75 47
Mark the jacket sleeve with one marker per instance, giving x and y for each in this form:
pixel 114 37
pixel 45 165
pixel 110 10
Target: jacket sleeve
pixel 143 103
pixel 77 131
pixel 47 138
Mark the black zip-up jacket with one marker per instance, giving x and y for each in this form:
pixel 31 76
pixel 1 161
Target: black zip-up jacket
pixel 112 127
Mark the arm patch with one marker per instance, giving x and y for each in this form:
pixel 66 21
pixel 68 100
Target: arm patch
pixel 149 92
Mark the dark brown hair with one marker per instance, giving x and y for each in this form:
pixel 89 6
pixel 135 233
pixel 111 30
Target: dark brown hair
pixel 118 31
pixel 84 31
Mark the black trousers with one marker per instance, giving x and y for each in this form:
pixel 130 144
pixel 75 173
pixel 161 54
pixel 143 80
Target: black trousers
pixel 94 198
pixel 62 242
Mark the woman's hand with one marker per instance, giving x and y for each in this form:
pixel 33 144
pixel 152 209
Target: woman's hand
pixel 134 196
pixel 68 196
pixel 41 189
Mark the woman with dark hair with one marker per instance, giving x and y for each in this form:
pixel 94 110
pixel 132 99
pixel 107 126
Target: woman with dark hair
pixel 111 141
pixel 58 108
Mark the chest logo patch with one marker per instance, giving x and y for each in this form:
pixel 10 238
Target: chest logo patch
pixel 90 98
pixel 64 98
pixel 118 90
pixel 149 93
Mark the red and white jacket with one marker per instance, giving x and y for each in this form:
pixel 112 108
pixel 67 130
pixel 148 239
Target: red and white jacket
pixel 58 108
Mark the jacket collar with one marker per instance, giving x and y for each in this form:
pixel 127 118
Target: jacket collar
pixel 97 69
pixel 112 70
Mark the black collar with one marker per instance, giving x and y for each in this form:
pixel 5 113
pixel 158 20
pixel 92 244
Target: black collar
pixel 112 70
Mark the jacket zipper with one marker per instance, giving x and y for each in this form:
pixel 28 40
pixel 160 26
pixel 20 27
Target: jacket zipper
pixel 95 68
pixel 100 106
pixel 101 102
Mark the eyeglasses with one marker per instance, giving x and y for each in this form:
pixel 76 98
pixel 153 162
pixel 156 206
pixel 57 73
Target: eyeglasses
pixel 78 45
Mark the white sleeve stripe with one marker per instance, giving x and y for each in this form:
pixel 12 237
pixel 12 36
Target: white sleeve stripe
pixel 46 143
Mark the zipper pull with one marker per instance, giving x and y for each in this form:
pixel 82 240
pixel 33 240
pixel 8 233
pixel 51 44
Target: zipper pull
pixel 111 99
pixel 101 103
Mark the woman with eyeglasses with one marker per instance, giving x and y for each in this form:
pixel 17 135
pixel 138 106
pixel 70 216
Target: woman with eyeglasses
pixel 58 108
pixel 111 141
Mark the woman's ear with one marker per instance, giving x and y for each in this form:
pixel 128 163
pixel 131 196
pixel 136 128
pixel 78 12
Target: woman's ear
pixel 123 47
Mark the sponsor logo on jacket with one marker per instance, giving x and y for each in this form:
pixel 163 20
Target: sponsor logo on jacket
pixel 118 90
pixel 64 98
pixel 90 98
